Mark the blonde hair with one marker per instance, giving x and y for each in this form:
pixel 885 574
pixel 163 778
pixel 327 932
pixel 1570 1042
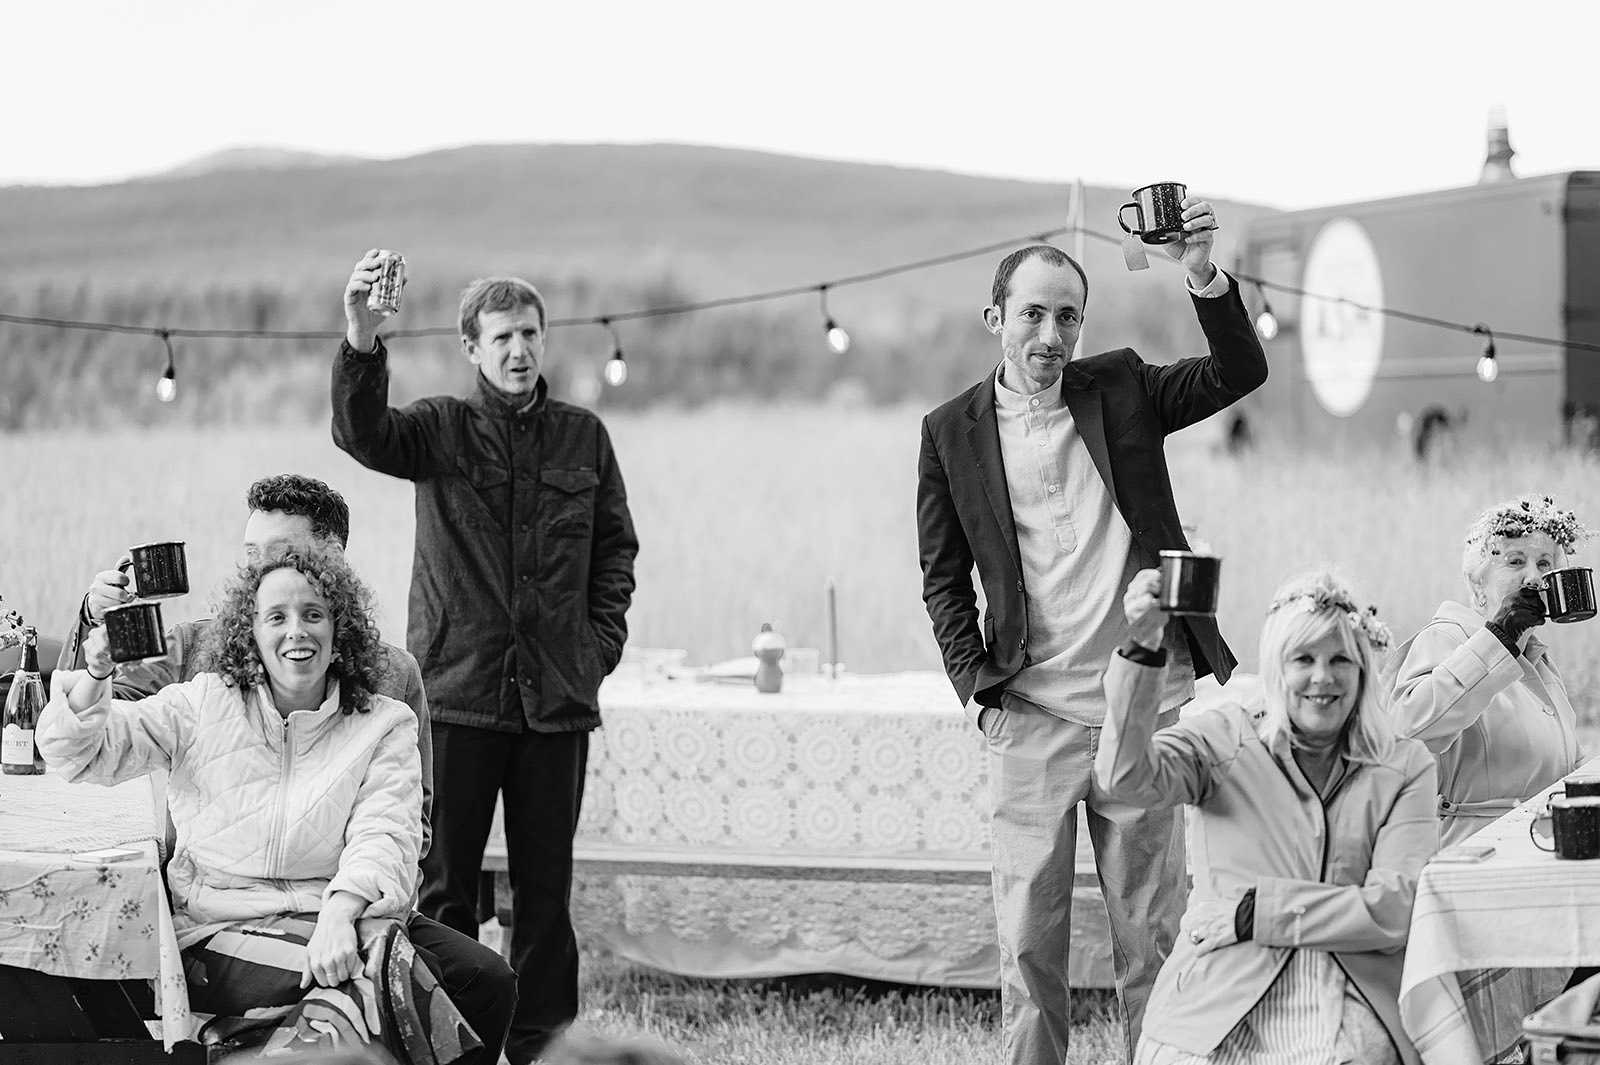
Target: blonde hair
pixel 1304 610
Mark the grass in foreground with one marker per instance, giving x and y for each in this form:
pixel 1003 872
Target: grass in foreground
pixel 819 1020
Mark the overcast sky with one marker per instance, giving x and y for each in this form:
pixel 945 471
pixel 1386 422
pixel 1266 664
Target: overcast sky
pixel 1253 100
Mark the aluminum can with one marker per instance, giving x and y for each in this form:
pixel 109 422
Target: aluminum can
pixel 384 298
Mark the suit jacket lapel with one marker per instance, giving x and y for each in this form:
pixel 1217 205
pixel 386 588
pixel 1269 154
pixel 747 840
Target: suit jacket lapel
pixel 983 438
pixel 1083 400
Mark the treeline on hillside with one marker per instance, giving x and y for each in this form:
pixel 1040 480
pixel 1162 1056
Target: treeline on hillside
pixel 61 378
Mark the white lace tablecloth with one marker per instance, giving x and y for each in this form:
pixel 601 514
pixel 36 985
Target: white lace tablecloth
pixel 1520 920
pixel 883 766
pixel 97 921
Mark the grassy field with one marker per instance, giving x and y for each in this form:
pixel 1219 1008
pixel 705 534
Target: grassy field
pixel 819 1020
pixel 744 512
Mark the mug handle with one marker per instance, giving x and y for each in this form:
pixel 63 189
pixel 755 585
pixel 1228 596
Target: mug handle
pixel 1137 210
pixel 133 580
pixel 1535 839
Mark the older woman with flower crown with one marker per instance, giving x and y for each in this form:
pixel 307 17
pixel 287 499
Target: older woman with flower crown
pixel 1477 686
pixel 1311 823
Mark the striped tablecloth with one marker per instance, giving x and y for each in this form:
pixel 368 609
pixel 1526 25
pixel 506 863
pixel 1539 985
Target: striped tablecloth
pixel 1518 921
pixel 94 920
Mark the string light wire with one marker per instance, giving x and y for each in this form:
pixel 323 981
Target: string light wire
pixel 167 383
pixel 166 332
pixel 838 339
pixel 616 371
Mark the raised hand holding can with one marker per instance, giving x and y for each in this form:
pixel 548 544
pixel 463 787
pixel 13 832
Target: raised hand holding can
pixel 384 298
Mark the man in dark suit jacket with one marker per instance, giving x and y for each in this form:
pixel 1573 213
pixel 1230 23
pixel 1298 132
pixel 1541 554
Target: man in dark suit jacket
pixel 1049 475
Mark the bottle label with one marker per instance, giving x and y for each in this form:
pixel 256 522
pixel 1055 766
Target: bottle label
pixel 16 746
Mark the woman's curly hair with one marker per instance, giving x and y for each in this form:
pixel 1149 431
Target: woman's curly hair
pixel 229 648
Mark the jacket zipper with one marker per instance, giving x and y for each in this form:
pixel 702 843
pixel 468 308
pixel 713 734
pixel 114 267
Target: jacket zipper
pixel 279 813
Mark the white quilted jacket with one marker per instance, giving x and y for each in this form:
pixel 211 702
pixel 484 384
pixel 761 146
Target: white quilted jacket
pixel 272 815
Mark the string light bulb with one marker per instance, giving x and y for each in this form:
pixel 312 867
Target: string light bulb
pixel 616 371
pixel 1266 321
pixel 1488 367
pixel 167 385
pixel 838 339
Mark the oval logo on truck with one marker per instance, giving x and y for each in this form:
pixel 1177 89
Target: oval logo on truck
pixel 1342 342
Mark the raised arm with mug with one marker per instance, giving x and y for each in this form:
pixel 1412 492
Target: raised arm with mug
pixel 296 792
pixel 520 583
pixel 1477 686
pixel 1312 822
pixel 292 506
pixel 1048 476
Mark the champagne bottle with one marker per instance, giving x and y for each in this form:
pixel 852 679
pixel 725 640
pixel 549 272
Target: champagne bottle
pixel 19 753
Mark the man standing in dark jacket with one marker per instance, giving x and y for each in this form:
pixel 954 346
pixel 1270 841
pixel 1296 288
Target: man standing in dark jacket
pixel 520 583
pixel 1049 476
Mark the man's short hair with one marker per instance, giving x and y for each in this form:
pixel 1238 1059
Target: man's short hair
pixel 497 294
pixel 304 497
pixel 1008 266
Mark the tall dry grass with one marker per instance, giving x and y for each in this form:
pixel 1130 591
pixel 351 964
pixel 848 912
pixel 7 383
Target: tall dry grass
pixel 744 512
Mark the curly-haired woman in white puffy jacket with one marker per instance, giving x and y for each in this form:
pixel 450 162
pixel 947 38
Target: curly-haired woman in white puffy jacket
pixel 296 793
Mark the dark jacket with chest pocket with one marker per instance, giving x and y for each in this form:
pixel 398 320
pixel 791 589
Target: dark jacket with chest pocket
pixel 523 565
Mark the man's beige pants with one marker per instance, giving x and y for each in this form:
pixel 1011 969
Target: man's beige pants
pixel 1040 768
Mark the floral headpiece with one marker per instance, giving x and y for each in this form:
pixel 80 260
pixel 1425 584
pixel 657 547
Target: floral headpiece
pixel 1529 514
pixel 1323 598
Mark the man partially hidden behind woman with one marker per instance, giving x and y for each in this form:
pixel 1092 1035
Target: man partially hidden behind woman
pixel 1312 820
pixel 296 793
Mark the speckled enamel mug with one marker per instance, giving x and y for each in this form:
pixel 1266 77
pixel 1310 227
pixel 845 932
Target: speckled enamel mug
pixel 1577 786
pixel 1569 594
pixel 135 632
pixel 1159 209
pixel 1574 826
pixel 160 569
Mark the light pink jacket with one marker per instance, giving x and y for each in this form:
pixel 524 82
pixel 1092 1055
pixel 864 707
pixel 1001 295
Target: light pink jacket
pixel 1500 724
pixel 1339 878
pixel 273 815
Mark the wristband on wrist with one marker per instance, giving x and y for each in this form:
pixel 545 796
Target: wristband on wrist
pixel 1143 656
pixel 1503 636
pixel 90 670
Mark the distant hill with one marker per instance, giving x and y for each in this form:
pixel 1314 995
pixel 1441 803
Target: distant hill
pixel 723 220
pixel 251 158
pixel 263 240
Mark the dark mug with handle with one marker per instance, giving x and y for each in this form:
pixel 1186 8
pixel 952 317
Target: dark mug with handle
pixel 1577 786
pixel 160 569
pixel 135 632
pixel 1568 594
pixel 1574 826
pixel 1189 583
pixel 1159 208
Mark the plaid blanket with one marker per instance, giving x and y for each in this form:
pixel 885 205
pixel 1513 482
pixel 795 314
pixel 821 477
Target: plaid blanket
pixel 247 977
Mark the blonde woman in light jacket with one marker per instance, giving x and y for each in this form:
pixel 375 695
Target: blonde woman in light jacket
pixel 295 791
pixel 1311 823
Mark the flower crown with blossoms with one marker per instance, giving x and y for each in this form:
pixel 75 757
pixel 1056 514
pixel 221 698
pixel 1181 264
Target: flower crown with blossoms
pixel 1318 599
pixel 1529 514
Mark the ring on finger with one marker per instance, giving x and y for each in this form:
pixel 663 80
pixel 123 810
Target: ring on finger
pixel 1195 937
